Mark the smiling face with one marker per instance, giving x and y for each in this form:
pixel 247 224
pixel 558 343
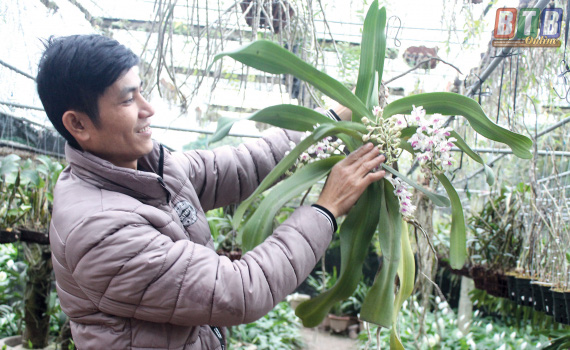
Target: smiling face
pixel 122 134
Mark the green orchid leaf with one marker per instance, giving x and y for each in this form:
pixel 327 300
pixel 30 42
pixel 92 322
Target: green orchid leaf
pixel 380 47
pixel 372 55
pixel 448 103
pixel 378 305
pixel 269 57
pixel 458 248
pixel 407 132
pixel 260 224
pixel 439 200
pixel 395 342
pixel 355 235
pixel 353 129
pixel 462 145
pixel 284 116
pixel 366 69
pixel 406 274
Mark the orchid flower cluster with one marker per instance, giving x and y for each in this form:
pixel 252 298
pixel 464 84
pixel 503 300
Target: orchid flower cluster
pixel 385 134
pixel 321 150
pixel 433 142
pixel 401 191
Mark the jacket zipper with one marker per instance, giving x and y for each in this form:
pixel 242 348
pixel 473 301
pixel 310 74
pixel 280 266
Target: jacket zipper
pixel 163 185
pixel 218 334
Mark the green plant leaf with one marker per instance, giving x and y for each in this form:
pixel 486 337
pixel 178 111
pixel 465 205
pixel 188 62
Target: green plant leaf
pixel 269 57
pixel 9 164
pixel 355 234
pixel 457 244
pixel 285 116
pixel 367 66
pixel 380 47
pixel 322 131
pixel 378 305
pixel 461 144
pixel 448 103
pixel 260 224
pixel 406 273
pixel 439 200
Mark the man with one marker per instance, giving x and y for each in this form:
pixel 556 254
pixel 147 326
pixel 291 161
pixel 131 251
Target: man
pixel 131 248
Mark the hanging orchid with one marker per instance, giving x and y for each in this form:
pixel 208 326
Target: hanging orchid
pixel 385 206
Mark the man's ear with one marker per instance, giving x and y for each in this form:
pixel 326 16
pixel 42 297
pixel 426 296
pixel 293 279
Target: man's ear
pixel 78 124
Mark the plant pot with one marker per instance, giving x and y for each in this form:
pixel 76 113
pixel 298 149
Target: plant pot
pixel 325 324
pixel 478 275
pixel 296 299
pixel 567 300
pixel 9 235
pixel 524 292
pixel 29 235
pixel 496 285
pixel 511 285
pixel 547 300
pixel 15 343
pixel 559 307
pixel 339 324
pixel 353 331
pixel 537 297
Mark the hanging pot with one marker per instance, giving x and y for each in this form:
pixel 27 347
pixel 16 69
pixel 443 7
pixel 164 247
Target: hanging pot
pixel 559 307
pixel 537 296
pixel 496 284
pixel 524 292
pixel 547 299
pixel 511 285
pixel 478 274
pixel 567 300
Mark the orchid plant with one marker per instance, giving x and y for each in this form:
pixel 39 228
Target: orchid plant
pixel 413 124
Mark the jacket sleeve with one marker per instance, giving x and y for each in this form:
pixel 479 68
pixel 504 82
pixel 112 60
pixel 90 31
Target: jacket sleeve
pixel 229 175
pixel 132 270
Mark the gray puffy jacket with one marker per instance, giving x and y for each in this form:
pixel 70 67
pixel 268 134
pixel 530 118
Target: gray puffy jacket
pixel 133 254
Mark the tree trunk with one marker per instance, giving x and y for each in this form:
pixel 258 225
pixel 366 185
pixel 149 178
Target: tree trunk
pixel 36 298
pixel 424 215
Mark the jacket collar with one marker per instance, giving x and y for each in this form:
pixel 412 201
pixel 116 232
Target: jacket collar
pixel 143 184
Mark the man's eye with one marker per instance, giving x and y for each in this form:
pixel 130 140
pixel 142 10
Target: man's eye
pixel 129 100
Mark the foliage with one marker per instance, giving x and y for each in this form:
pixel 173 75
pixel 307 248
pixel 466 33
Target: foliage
pixel 223 234
pixel 12 282
pixel 26 188
pixel 359 227
pixel 497 230
pixel 442 333
pixel 279 329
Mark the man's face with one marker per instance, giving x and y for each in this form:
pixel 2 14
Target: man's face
pixel 123 133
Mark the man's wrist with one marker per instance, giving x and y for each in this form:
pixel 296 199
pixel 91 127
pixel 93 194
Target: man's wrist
pixel 326 213
pixel 342 112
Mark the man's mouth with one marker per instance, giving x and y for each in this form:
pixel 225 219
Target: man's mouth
pixel 143 130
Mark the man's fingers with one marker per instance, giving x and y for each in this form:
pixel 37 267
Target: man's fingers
pixel 369 162
pixel 372 177
pixel 356 155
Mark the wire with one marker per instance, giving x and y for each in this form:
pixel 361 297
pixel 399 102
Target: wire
pixel 397 41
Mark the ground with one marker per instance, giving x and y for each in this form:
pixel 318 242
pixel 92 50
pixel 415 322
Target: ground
pixel 320 340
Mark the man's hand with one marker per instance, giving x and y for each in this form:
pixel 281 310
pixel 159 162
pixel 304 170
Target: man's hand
pixel 349 178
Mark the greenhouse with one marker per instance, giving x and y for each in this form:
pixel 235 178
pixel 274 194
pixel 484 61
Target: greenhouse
pixel 284 174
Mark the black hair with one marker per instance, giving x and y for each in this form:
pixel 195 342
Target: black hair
pixel 75 71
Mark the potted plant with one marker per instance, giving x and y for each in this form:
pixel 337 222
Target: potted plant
pixel 400 126
pixel 496 241
pixel 27 211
